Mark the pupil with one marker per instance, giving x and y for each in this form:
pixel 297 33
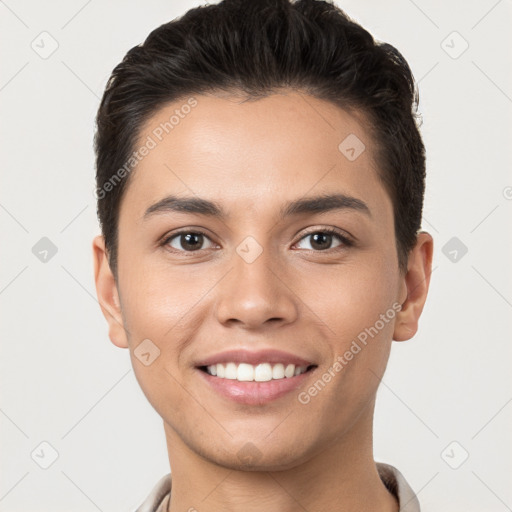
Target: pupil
pixel 193 240
pixel 323 237
pixel 187 237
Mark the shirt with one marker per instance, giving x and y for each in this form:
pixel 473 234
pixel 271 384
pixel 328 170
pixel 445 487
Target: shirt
pixel 158 498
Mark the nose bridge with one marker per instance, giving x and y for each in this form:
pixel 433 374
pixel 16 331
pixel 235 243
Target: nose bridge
pixel 253 291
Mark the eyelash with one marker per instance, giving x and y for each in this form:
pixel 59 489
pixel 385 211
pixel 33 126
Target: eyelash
pixel 346 242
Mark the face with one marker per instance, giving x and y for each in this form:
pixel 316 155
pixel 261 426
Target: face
pixel 264 271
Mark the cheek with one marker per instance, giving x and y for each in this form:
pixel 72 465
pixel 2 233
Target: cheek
pixel 167 308
pixel 350 298
pixel 157 300
pixel 157 308
pixel 357 307
pixel 365 302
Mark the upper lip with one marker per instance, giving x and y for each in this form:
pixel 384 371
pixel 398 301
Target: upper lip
pixel 254 357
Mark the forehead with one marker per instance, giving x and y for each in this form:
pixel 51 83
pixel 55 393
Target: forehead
pixel 250 155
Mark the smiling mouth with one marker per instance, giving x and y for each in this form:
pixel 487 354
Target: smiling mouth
pixel 263 372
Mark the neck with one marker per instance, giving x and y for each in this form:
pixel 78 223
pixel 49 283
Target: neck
pixel 340 475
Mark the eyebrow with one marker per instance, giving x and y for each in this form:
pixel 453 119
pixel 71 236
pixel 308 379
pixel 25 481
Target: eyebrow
pixel 317 204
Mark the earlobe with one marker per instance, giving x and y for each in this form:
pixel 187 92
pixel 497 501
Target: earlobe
pixel 416 282
pixel 107 292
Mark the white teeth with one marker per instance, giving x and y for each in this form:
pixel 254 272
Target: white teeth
pixel 278 371
pixel 245 372
pixel 230 371
pixel 289 370
pixel 262 372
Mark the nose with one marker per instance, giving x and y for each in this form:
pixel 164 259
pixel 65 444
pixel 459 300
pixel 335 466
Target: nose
pixel 256 294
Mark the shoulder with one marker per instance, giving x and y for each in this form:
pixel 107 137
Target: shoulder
pixel 391 477
pixel 399 487
pixel 158 497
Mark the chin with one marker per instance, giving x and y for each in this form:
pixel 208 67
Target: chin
pixel 258 457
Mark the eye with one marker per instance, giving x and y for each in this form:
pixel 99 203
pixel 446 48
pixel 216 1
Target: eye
pixel 322 239
pixel 193 241
pixel 190 241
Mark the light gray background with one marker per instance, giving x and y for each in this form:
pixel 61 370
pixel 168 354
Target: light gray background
pixel 63 381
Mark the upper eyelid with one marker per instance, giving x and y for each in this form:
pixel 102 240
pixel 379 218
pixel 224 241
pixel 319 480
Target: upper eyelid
pixel 166 239
pixel 344 237
pixel 330 229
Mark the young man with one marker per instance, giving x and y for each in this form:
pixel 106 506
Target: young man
pixel 260 181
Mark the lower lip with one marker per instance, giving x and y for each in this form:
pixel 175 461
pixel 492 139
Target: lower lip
pixel 255 393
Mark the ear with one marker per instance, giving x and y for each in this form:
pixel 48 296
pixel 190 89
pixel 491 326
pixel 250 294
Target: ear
pixel 415 282
pixel 108 296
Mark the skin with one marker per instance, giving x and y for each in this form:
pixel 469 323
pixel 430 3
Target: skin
pixel 251 158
